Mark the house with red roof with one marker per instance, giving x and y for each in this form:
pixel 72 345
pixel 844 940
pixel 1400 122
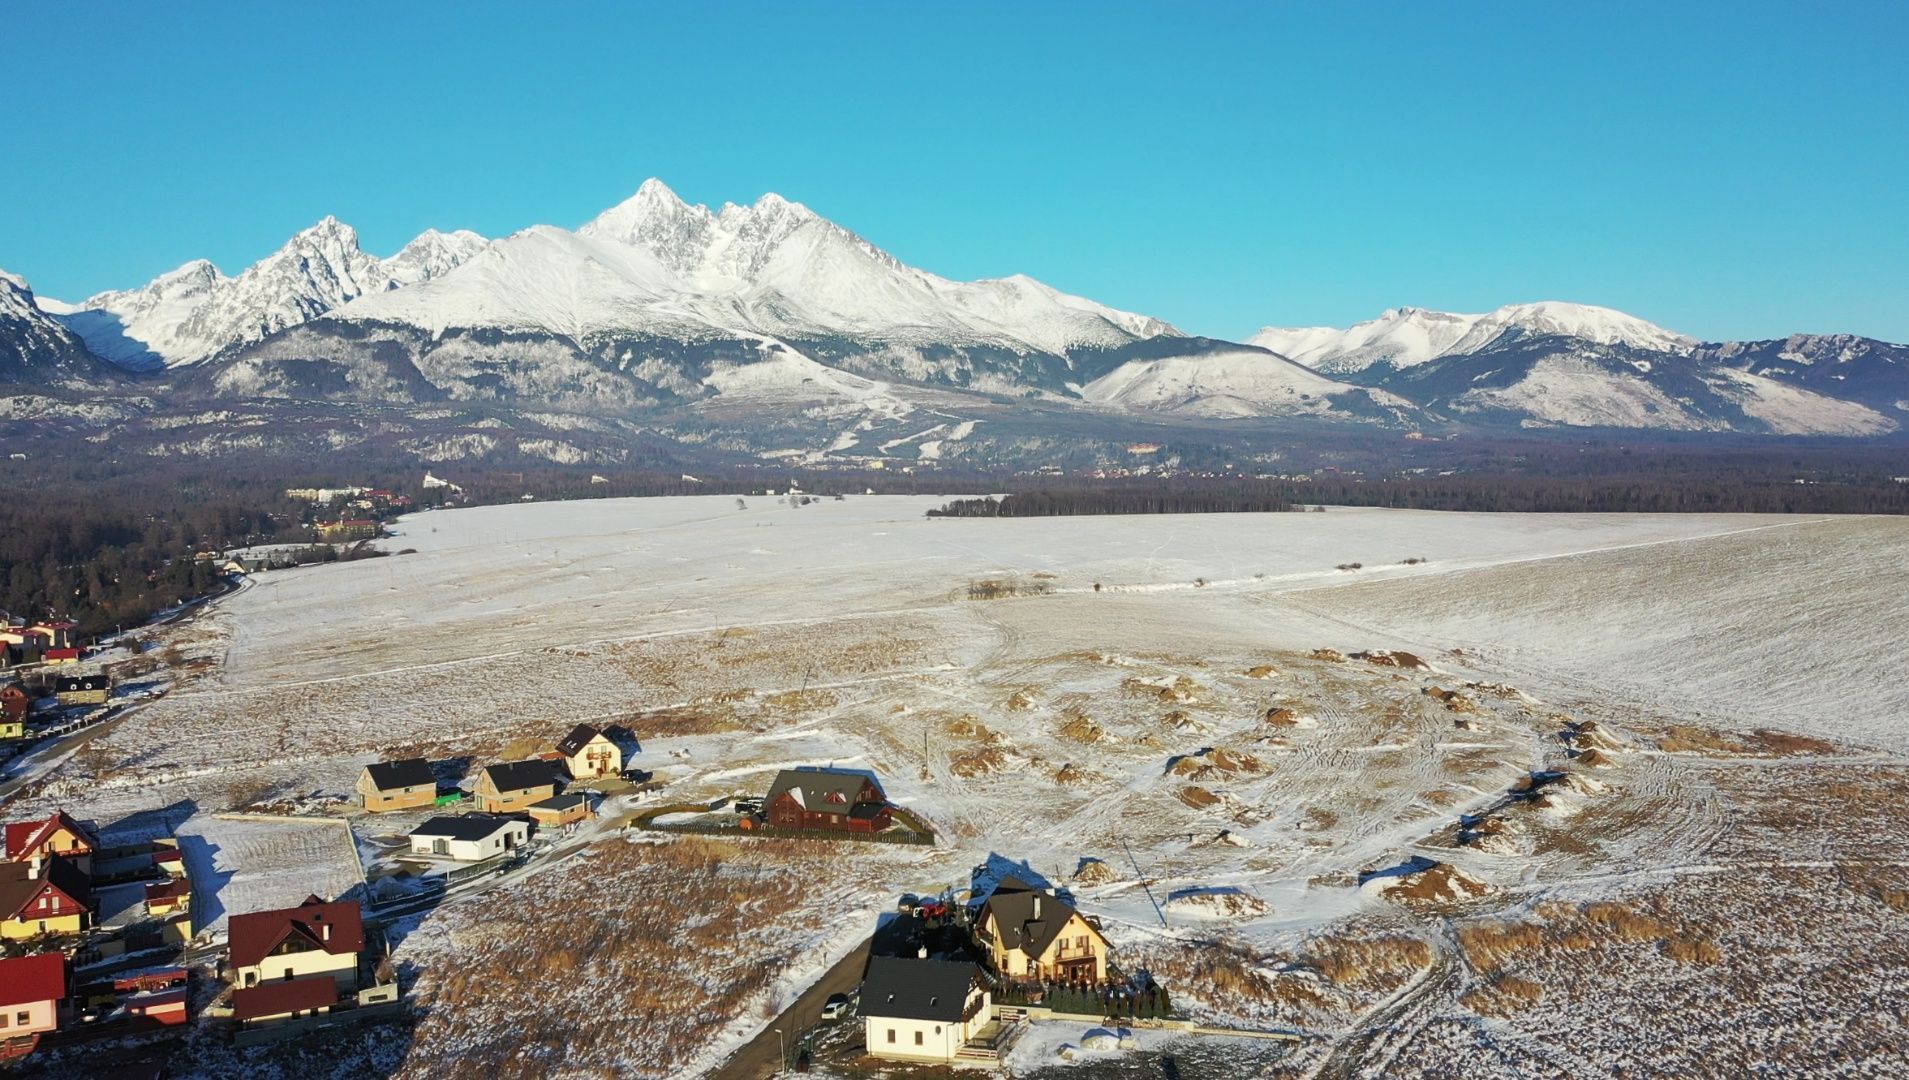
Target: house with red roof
pixel 293 944
pixel 15 702
pixel 45 898
pixel 33 990
pixel 277 1002
pixel 58 836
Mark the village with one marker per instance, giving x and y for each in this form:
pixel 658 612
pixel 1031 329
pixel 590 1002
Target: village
pixel 101 940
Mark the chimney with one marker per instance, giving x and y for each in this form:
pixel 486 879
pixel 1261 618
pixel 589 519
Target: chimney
pixel 1037 905
pixel 921 953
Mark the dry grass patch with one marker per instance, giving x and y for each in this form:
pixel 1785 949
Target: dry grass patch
pixel 1502 996
pixel 979 762
pixel 616 967
pixel 1198 797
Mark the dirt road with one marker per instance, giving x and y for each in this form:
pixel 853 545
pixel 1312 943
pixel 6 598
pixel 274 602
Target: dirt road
pixel 758 1057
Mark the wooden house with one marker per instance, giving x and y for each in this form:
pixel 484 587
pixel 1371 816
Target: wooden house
pixel 837 799
pixel 1028 933
pixel 44 898
pixel 83 689
pixel 57 836
pixel 514 785
pixel 589 754
pixel 287 944
pixel 397 785
pixel 560 810
pixel 921 1010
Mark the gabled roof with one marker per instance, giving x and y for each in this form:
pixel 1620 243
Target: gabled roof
pixel 170 889
pixel 580 736
pixel 1029 920
pixel 279 998
pixel 903 989
pixel 393 775
pixel 24 837
pixel 17 889
pixel 27 979
pixel 253 936
pixel 812 788
pixel 465 826
pixel 561 802
pixel 518 775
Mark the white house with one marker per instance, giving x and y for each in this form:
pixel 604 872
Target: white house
pixel 921 1010
pixel 470 837
pixel 589 754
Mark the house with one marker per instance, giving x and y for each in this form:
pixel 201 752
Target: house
pixel 55 657
pixel 560 810
pixel 12 729
pixel 589 754
pixel 1028 933
pixel 335 532
pixel 277 1002
pixel 921 1010
pixel 83 689
pixel 287 944
pixel 469 837
pixel 837 799
pixel 33 990
pixel 46 897
pixel 397 785
pixel 56 837
pixel 15 702
pixel 514 785
pixel 168 897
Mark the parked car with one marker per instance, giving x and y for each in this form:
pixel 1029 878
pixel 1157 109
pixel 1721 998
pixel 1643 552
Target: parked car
pixel 907 904
pixel 836 1007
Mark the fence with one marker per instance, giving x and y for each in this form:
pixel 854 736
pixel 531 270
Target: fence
pixel 917 832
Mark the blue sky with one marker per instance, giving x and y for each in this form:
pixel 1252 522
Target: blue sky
pixel 1728 169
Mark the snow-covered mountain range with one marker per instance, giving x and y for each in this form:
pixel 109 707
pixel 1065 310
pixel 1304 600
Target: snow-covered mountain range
pixel 660 304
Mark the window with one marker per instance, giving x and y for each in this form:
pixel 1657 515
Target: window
pixel 891 1034
pixel 917 1038
pixel 23 1018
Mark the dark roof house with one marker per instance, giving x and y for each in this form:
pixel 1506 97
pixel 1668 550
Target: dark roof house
pixel 579 737
pixel 816 788
pixel 398 775
pixel 19 888
pixel 471 827
pixel 284 997
pixel 520 775
pixel 908 989
pixel 75 684
pixel 1028 919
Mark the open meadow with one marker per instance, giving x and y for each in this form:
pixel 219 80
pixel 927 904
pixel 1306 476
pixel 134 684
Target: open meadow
pixel 1553 795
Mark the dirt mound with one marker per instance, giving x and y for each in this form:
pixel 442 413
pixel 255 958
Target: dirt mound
pixel 1423 881
pixel 1492 834
pixel 1082 729
pixel 1452 699
pixel 1225 836
pixel 1216 902
pixel 988 759
pixel 1330 655
pixel 1179 690
pixel 1595 759
pixel 1072 775
pixel 1020 700
pixel 1179 718
pixel 1286 716
pixel 967 727
pixel 1263 671
pixel 1092 871
pixel 1198 797
pixel 1589 735
pixel 1392 658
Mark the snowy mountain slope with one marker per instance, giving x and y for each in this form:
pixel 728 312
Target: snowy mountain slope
pixel 1863 370
pixel 195 312
pixel 1564 381
pixel 654 264
pixel 35 348
pixel 1241 382
pixel 1404 337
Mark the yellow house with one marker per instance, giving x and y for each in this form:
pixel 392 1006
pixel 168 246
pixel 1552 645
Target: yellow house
pixel 514 786
pixel 12 729
pixel 288 944
pixel 48 897
pixel 589 754
pixel 398 785
pixel 1029 933
pixel 58 836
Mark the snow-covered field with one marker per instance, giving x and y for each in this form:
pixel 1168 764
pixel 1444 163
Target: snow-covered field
pixel 1143 715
